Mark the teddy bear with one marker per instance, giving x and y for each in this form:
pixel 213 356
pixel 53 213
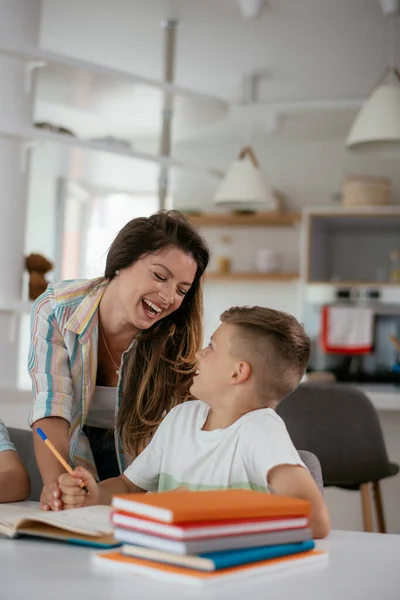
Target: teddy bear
pixel 37 266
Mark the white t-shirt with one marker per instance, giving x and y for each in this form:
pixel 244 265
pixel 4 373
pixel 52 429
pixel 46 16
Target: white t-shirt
pixel 239 456
pixel 5 443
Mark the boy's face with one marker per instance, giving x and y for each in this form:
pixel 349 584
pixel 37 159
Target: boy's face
pixel 215 365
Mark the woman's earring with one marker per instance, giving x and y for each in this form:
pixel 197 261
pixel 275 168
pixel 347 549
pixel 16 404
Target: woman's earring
pixel 117 272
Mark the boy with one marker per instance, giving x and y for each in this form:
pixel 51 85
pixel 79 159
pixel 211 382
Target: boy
pixel 14 479
pixel 233 436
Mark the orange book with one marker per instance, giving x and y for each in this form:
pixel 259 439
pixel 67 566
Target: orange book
pixel 214 505
pixel 173 573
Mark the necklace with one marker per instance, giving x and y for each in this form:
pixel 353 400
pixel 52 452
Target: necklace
pixel 117 368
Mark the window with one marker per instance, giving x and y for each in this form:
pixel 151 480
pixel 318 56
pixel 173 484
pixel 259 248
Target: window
pixel 87 222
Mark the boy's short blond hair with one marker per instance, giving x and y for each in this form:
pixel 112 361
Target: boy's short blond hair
pixel 276 346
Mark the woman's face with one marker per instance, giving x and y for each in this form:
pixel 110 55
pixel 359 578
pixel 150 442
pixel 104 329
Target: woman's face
pixel 155 286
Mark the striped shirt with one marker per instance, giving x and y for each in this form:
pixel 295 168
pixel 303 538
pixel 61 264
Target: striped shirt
pixel 62 361
pixel 5 442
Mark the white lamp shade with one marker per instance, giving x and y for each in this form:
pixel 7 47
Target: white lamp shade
pixel 244 184
pixel 378 121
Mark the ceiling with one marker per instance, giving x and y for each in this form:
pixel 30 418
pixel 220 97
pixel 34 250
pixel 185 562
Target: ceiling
pixel 303 50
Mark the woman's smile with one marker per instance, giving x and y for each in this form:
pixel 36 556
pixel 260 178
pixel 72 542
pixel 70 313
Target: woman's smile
pixel 151 309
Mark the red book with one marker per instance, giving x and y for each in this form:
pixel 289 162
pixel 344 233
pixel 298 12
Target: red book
pixel 205 529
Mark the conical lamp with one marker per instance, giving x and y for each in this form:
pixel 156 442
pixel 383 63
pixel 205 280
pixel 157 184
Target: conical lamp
pixel 244 184
pixel 378 122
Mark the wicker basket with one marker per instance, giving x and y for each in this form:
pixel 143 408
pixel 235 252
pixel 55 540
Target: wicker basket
pixel 363 190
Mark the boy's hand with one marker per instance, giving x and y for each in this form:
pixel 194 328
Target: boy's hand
pixel 50 497
pixel 72 494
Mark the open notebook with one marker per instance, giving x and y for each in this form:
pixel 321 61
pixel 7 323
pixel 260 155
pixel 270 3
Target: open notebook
pixel 90 526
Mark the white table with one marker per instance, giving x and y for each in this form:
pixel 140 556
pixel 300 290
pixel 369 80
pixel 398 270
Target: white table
pixel 361 566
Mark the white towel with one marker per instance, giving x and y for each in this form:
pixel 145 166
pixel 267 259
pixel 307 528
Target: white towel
pixel 347 329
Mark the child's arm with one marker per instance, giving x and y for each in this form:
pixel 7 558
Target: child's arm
pixel 145 469
pixel 296 481
pixel 117 485
pixel 272 460
pixel 73 496
pixel 15 484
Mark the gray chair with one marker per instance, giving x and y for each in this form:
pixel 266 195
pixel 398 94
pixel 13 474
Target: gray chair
pixel 23 442
pixel 314 466
pixel 339 424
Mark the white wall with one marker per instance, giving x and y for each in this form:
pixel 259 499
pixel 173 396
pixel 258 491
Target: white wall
pixel 307 47
pixel 219 296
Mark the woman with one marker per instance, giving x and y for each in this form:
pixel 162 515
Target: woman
pixel 116 351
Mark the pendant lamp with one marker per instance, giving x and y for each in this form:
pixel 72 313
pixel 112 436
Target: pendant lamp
pixel 378 122
pixel 245 186
pixel 377 125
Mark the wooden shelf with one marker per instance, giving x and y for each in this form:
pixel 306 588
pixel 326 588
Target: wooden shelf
pixel 347 284
pixel 267 277
pixel 252 220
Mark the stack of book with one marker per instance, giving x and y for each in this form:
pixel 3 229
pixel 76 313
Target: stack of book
pixel 205 536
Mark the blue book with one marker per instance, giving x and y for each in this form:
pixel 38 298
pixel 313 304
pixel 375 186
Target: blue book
pixel 213 561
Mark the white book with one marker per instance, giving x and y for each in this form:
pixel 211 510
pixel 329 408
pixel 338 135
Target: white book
pixel 119 562
pixel 190 531
pixel 273 538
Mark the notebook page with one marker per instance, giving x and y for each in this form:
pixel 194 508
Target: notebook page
pixel 11 513
pixel 90 520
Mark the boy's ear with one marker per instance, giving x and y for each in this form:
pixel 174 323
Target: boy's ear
pixel 241 373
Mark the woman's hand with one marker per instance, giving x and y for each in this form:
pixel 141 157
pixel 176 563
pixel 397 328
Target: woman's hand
pixel 50 498
pixel 72 493
pixel 50 469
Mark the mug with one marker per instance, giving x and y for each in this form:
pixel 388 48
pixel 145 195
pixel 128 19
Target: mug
pixel 267 260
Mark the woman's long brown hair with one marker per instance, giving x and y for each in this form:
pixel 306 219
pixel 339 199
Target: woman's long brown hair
pixel 160 366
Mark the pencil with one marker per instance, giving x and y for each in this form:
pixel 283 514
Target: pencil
pixel 56 453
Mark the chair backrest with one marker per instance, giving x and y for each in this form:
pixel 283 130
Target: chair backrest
pixel 23 442
pixel 314 466
pixel 339 424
